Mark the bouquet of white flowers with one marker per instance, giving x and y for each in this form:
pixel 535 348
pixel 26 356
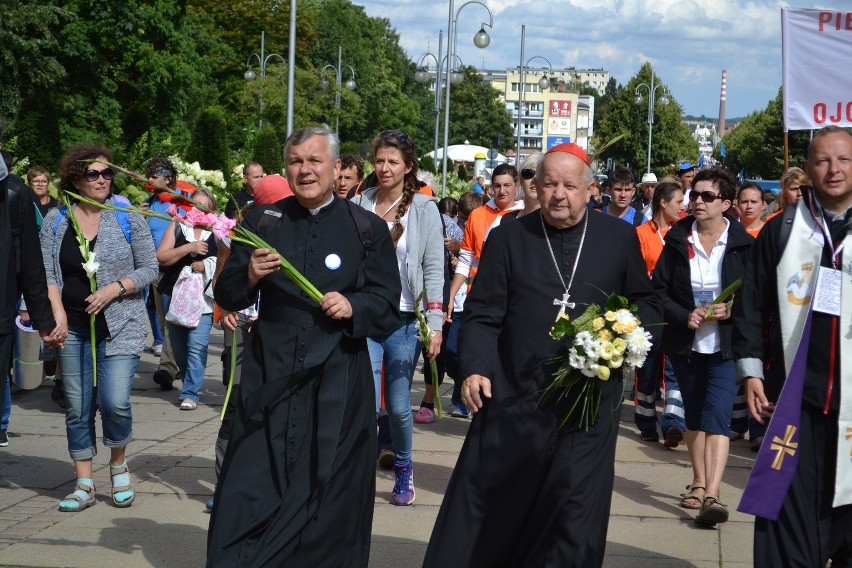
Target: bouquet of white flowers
pixel 596 343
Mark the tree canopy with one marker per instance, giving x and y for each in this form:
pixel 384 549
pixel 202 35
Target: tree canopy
pixel 477 114
pixel 757 143
pixel 622 115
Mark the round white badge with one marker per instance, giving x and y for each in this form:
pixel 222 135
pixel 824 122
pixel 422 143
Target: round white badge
pixel 332 262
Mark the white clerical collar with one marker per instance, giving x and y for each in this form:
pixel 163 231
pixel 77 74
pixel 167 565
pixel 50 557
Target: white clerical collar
pixel 316 210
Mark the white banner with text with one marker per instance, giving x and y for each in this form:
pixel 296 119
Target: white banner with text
pixel 816 50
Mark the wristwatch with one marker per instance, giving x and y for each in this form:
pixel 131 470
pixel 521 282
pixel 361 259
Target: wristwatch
pixel 122 291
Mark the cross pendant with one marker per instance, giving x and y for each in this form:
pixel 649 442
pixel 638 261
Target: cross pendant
pixel 563 304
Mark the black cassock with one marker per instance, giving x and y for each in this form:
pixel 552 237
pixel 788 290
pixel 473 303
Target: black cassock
pixel 298 480
pixel 524 492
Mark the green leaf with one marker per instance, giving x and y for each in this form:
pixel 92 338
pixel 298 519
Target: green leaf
pixel 616 302
pixel 562 329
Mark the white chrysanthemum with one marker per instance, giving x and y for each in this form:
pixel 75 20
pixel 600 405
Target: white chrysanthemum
pixel 583 338
pixel 590 369
pixel 635 361
pixel 593 349
pixel 625 318
pixel 576 360
pixel 638 342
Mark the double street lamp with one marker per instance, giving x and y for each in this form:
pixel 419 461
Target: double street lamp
pixel 480 40
pixel 652 88
pixel 250 75
pixel 349 84
pixel 422 76
pixel 543 83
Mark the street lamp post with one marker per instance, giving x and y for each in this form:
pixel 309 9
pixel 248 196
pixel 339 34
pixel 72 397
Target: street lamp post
pixel 543 83
pixel 652 88
pixel 250 75
pixel 350 84
pixel 422 76
pixel 480 40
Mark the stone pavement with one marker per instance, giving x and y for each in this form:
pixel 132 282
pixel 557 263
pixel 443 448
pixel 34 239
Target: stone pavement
pixel 171 459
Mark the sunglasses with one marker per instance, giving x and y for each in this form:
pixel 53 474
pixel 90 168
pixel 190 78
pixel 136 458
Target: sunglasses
pixel 396 135
pixel 93 175
pixel 527 174
pixel 706 196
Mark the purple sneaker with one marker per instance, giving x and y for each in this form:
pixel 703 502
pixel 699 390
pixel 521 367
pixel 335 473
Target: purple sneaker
pixel 403 487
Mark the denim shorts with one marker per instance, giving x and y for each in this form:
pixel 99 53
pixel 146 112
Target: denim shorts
pixel 83 400
pixel 708 387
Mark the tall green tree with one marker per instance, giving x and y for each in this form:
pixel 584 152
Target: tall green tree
pixel 477 114
pixel 757 143
pixel 672 141
pixel 387 93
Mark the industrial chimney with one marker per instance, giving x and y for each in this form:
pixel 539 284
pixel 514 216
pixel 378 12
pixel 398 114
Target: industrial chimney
pixel 722 98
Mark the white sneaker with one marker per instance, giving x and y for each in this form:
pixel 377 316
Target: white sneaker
pixel 157 350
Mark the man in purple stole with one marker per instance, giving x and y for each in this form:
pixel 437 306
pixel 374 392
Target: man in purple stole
pixel 793 352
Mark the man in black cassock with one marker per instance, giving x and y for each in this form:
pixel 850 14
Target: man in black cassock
pixel 812 507
pixel 21 269
pixel 298 480
pixel 525 492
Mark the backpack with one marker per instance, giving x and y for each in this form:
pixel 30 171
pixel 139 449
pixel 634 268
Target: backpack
pixel 359 216
pixel 123 218
pixel 15 191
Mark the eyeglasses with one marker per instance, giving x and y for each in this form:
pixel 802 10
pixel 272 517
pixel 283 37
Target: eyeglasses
pixel 401 137
pixel 93 175
pixel 527 174
pixel 706 196
pixel 39 182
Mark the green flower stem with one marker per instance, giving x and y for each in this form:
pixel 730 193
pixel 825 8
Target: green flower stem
pixel 231 375
pixel 248 238
pixel 426 334
pixel 93 285
pixel 726 297
pixel 239 235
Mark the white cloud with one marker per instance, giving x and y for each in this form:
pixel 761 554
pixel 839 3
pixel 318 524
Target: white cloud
pixel 689 42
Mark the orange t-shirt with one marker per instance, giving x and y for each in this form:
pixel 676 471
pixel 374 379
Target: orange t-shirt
pixel 651 243
pixel 475 231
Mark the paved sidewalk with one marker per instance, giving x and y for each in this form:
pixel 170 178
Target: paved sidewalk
pixel 171 459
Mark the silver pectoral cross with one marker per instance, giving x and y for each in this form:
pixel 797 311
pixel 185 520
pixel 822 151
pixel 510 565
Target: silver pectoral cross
pixel 563 304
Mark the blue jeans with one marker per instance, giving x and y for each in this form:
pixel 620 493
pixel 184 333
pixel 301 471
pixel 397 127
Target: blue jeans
pixel 82 399
pixel 7 404
pixel 153 319
pixel 399 351
pixel 189 346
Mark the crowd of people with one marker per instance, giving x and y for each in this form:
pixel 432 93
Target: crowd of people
pixel 323 386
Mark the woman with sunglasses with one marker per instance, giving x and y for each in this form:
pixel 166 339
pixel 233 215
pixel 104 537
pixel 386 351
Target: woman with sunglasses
pixel 704 253
pixel 127 264
pixel 416 228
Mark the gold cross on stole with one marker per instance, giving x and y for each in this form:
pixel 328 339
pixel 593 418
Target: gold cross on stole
pixel 783 446
pixel 849 437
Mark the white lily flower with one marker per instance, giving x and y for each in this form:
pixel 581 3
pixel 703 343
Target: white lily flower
pixel 91 265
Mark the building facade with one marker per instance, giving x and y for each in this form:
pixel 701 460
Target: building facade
pixel 552 115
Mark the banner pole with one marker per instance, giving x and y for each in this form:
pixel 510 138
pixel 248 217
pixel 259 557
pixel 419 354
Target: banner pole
pixel 786 152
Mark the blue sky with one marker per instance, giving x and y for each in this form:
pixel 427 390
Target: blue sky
pixel 689 42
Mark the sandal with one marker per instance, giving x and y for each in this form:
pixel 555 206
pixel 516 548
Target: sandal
pixel 83 497
pixel 424 416
pixel 692 499
pixel 188 404
pixel 122 491
pixel 712 512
